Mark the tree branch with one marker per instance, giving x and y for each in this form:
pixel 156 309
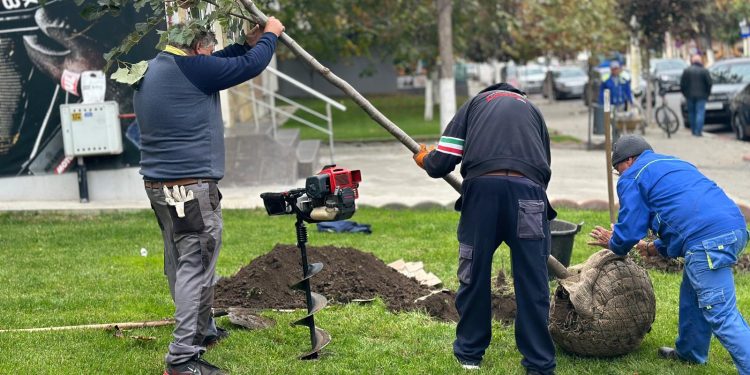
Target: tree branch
pixel 232 14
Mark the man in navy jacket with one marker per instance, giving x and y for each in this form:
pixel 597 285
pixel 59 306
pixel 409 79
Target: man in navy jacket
pixel 693 219
pixel 502 143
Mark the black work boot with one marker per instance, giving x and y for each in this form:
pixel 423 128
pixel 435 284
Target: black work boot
pixel 194 367
pixel 210 341
pixel 535 372
pixel 669 353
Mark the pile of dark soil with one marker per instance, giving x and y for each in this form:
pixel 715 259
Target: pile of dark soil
pixel 743 264
pixel 443 305
pixel 347 274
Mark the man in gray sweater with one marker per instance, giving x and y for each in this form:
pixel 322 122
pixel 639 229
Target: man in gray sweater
pixel 182 159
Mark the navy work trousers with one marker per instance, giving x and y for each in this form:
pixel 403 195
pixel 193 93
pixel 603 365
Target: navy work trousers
pixel 513 210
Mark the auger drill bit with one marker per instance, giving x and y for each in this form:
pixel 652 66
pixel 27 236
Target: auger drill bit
pixel 315 302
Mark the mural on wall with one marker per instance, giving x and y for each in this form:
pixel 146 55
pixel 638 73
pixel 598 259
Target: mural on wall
pixel 38 46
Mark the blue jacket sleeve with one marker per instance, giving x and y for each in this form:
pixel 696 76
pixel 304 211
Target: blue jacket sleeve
pixel 441 161
pixel 661 248
pixel 232 51
pixel 211 73
pixel 632 219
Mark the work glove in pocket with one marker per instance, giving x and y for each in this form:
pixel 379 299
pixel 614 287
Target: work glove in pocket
pixel 184 209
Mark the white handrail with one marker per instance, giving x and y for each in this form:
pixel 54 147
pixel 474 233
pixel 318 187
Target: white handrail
pixel 306 88
pixel 292 102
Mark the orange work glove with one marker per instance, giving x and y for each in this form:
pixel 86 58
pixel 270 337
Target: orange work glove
pixel 423 151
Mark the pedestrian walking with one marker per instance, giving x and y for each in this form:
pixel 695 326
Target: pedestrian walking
pixel 695 85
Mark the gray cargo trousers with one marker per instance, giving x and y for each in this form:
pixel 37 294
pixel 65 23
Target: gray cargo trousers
pixel 191 248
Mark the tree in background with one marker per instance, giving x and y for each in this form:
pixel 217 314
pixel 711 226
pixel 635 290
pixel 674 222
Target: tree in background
pixel 563 28
pixel 700 20
pixel 716 20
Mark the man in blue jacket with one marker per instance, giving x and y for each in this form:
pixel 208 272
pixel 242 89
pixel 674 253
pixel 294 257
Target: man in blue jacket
pixel 693 219
pixel 182 159
pixel 620 94
pixel 502 143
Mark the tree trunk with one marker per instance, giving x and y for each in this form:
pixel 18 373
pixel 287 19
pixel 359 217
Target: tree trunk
pixel 429 104
pixel 709 50
pixel 648 95
pixel 447 81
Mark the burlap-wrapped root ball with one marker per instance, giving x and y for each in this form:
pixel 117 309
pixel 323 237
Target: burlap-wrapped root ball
pixel 604 309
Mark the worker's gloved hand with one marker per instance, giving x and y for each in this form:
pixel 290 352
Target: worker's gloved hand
pixel 177 198
pixel 423 151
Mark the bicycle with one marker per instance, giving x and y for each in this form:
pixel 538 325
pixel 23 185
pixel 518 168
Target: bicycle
pixel 666 118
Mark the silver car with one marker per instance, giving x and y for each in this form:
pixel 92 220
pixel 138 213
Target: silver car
pixel 564 82
pixel 531 78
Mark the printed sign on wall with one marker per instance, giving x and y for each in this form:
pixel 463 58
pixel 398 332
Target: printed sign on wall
pixel 43 52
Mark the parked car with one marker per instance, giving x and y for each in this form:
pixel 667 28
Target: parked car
pixel 729 78
pixel 564 82
pixel 739 107
pixel 531 78
pixel 667 73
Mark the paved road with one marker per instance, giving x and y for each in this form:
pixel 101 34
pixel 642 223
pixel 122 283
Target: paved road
pixel 391 177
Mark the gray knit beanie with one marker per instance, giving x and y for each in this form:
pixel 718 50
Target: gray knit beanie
pixel 628 145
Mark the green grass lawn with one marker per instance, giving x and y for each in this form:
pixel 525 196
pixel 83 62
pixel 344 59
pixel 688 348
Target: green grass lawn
pixel 65 270
pixel 354 124
pixel 406 111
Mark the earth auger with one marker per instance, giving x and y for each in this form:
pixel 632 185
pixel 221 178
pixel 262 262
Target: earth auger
pixel 315 302
pixel 327 196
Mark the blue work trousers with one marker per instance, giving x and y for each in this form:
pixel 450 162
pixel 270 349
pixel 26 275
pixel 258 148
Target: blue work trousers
pixel 513 210
pixel 696 115
pixel 708 304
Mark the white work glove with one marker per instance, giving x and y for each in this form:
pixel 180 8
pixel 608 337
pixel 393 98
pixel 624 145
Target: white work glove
pixel 177 198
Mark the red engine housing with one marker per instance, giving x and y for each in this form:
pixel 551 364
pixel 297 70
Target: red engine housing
pixel 342 178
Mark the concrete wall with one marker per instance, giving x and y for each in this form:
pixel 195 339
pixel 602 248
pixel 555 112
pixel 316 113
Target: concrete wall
pixel 106 185
pixel 383 81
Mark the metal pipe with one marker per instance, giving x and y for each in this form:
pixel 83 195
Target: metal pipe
pixel 330 129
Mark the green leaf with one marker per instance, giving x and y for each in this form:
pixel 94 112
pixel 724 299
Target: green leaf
pixel 130 75
pixel 139 69
pixel 120 75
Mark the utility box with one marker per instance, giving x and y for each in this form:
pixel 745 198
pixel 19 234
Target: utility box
pixel 91 129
